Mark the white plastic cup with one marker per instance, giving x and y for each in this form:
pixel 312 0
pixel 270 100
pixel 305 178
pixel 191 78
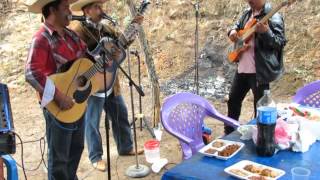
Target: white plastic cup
pixel 152 151
pixel 300 173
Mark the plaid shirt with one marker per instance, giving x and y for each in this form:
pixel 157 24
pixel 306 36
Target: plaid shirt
pixel 48 52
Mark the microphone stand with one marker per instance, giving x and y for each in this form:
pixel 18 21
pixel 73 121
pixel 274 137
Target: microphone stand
pixel 133 171
pixel 196 77
pixel 106 121
pixel 141 116
pixel 139 81
pixel 137 170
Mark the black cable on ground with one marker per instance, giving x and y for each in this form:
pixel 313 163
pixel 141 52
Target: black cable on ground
pixel 22 162
pixel 42 150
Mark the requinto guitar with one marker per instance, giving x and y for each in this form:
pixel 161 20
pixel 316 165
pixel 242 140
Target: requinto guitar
pixel 246 34
pixel 81 80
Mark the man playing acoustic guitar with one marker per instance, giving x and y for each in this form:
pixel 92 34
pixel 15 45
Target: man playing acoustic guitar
pixel 52 47
pixel 91 32
pixel 262 62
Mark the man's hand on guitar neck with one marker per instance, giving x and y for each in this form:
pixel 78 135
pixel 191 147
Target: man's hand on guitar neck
pixel 64 102
pixel 233 36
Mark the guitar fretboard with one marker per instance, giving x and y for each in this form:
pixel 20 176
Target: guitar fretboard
pixel 127 37
pixel 263 20
pixel 94 69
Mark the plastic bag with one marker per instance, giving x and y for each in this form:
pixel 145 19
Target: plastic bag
pixel 281 134
pixel 246 131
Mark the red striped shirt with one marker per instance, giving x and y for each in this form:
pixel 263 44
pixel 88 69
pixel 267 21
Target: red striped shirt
pixel 48 51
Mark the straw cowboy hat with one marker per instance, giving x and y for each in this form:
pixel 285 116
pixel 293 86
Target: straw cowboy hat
pixel 37 6
pixel 77 6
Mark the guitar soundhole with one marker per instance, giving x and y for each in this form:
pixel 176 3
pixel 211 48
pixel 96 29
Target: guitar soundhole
pixel 81 81
pixel 83 89
pixel 81 95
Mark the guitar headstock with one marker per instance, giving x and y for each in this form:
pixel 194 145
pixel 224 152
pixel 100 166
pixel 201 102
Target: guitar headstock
pixel 143 6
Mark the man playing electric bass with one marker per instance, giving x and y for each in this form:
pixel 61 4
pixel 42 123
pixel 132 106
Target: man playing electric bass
pixel 262 61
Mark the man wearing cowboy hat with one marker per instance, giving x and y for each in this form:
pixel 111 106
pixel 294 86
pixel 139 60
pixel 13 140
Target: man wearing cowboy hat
pixel 52 46
pixel 91 32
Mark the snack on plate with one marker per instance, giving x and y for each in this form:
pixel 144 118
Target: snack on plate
pixel 268 173
pixel 210 151
pixel 229 150
pixel 239 172
pixel 218 144
pixel 253 169
pixel 262 172
pixel 257 178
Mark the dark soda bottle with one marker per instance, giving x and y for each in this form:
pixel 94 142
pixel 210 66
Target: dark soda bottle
pixel 265 142
pixel 266 122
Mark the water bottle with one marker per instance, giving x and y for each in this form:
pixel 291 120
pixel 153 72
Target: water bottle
pixel 266 122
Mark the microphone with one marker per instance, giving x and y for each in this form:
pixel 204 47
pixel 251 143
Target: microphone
pixel 77 18
pixel 105 16
pixel 134 52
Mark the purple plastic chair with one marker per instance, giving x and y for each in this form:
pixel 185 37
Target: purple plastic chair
pixel 309 95
pixel 182 116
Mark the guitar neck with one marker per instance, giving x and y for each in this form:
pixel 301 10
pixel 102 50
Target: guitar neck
pixel 263 20
pixel 125 39
pixel 132 30
pixel 93 69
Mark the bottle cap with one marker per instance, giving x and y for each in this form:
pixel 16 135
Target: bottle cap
pixel 267 91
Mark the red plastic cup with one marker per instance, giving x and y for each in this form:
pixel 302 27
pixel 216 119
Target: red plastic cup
pixel 152 151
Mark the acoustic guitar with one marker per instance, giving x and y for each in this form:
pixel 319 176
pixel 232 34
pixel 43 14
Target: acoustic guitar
pixel 246 34
pixel 80 81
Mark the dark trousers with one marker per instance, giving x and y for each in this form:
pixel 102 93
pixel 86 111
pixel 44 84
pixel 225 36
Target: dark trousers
pixel 65 145
pixel 241 85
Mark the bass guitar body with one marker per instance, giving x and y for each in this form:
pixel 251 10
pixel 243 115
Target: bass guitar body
pixel 241 44
pixel 248 31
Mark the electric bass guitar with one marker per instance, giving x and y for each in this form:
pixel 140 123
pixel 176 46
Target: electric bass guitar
pixel 81 80
pixel 246 34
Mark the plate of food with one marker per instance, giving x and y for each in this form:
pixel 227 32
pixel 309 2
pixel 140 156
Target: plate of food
pixel 253 171
pixel 222 149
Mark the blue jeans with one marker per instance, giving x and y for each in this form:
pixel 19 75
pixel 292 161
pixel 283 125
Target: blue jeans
pixel 65 146
pixel 117 111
